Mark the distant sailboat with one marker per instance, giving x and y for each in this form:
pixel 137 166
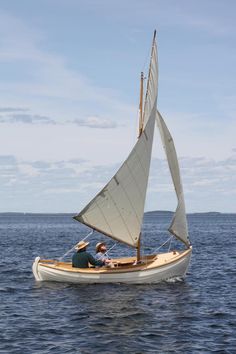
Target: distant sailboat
pixel 117 210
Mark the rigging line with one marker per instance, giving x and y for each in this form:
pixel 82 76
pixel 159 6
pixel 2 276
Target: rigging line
pixel 70 250
pixel 170 243
pixel 157 249
pixel 109 249
pixel 89 234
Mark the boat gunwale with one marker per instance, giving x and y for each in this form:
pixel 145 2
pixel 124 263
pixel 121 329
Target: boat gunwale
pixel 124 269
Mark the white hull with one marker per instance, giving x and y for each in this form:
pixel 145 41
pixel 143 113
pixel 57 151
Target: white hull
pixel 162 267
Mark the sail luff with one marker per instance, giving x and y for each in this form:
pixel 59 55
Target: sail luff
pixel 141 105
pixel 148 96
pixel 149 70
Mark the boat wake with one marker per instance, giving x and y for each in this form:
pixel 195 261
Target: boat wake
pixel 174 280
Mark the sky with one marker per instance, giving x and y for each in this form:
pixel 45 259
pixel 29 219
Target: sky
pixel 69 95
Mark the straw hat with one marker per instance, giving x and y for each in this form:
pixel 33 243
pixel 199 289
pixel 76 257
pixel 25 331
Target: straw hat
pixel 98 245
pixel 80 245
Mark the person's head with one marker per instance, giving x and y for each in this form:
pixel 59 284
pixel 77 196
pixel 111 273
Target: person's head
pixel 81 246
pixel 101 247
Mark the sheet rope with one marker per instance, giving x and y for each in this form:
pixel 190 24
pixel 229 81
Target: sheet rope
pixel 107 252
pixel 70 250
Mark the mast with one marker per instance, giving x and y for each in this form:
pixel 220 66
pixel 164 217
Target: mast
pixel 141 105
pixel 139 248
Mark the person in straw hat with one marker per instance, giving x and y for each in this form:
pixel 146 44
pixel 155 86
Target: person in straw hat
pixel 82 258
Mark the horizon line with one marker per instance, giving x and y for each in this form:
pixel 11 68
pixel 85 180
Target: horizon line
pixel 146 212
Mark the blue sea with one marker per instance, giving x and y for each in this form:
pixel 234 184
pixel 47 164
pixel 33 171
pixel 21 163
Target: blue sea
pixel 197 315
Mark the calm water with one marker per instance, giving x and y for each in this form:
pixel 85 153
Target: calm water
pixel 194 316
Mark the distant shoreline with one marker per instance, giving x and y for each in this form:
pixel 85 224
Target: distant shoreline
pixel 159 212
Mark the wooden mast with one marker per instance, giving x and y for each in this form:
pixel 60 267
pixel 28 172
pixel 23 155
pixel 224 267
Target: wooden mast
pixel 141 105
pixel 139 248
pixel 140 132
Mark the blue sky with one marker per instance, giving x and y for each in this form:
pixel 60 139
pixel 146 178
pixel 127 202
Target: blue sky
pixel 69 94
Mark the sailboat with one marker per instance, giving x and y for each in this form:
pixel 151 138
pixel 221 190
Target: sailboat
pixel 117 210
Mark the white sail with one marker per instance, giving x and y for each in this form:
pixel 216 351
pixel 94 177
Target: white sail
pixel 117 210
pixel 178 226
pixel 151 92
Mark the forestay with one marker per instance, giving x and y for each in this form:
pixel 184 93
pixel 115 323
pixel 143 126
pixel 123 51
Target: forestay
pixel 178 226
pixel 117 210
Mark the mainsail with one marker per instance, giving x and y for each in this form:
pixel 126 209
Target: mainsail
pixel 117 210
pixel 178 226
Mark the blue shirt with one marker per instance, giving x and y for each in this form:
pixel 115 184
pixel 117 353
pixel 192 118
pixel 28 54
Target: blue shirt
pixel 102 256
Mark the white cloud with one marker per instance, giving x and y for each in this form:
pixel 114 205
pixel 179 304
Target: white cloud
pixel 209 185
pixel 26 170
pixel 26 119
pixel 95 122
pixel 13 109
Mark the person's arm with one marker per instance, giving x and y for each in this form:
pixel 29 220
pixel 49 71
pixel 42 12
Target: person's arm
pixel 94 262
pixel 97 256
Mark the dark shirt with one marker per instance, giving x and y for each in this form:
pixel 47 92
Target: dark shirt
pixel 81 259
